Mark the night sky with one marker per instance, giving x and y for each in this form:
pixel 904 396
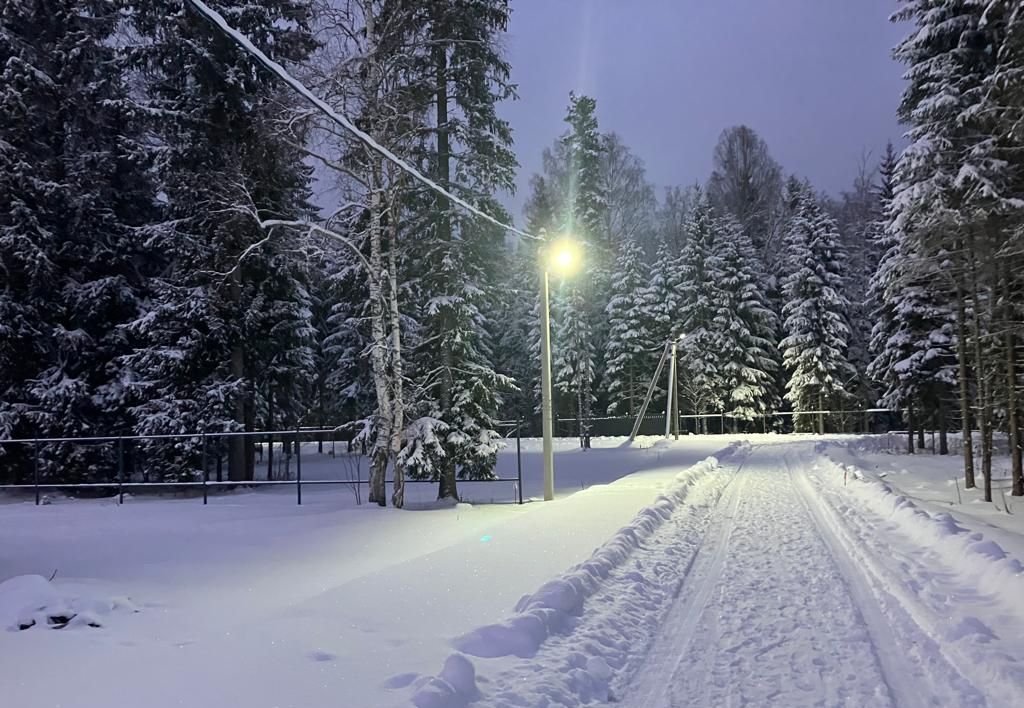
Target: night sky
pixel 814 78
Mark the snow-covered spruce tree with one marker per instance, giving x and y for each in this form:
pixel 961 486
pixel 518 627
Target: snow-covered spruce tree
pixel 659 305
pixel 702 377
pixel 913 336
pixel 946 204
pixel 74 256
pixel 1006 96
pixel 469 77
pixel 628 354
pixel 573 355
pixel 857 216
pixel 223 164
pixel 581 327
pixel 661 296
pixel 518 350
pixel 744 325
pixel 346 336
pixel 815 311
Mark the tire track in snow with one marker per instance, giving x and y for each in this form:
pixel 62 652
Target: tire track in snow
pixel 649 686
pixel 765 619
pixel 901 577
pixel 895 666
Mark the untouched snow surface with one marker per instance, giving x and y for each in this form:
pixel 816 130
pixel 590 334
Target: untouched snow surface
pixel 786 573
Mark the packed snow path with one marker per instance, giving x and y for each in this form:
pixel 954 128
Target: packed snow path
pixel 775 612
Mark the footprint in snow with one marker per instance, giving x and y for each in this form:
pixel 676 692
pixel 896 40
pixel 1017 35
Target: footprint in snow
pixel 320 655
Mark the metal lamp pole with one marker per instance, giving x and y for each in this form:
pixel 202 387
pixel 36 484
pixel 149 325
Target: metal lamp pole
pixel 564 256
pixel 545 386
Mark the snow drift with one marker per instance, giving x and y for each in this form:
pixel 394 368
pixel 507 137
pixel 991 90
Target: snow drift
pixel 32 601
pixel 990 567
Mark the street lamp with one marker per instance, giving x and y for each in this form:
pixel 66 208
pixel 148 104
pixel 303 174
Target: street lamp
pixel 562 256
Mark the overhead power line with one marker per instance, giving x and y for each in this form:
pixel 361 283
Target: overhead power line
pixel 242 41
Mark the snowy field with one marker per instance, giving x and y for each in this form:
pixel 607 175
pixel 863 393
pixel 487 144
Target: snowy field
pixel 790 571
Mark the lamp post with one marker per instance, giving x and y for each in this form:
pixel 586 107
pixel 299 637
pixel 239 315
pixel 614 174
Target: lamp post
pixel 562 256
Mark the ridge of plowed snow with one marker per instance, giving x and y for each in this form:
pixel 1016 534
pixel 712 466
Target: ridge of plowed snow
pixel 614 625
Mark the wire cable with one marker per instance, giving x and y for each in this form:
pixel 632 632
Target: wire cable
pixel 244 43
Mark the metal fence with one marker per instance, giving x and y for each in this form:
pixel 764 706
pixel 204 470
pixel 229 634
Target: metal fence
pixel 198 463
pixel 869 420
pixel 194 462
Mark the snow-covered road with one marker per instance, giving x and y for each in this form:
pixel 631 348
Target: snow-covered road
pixel 770 613
pixel 777 611
pixel 784 579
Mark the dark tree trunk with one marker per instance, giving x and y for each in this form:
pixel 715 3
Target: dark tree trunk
pixel 236 443
pixel 910 428
pixel 1012 405
pixel 448 486
pixel 943 425
pixel 378 475
pixel 965 389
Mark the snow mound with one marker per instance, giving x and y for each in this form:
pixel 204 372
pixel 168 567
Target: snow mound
pixel 453 688
pixel 28 601
pixel 552 608
pixel 556 608
pixel 966 549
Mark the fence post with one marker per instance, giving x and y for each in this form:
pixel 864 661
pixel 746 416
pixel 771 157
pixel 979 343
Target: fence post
pixel 120 470
pixel 206 470
pixel 519 460
pixel 298 466
pixel 35 472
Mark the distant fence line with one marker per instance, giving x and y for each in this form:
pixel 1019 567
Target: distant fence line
pixel 123 471
pixel 195 461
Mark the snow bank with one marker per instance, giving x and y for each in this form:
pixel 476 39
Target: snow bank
pixel 990 567
pixel 32 601
pixel 555 608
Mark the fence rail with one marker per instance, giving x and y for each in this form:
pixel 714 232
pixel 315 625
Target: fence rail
pixel 121 462
pixel 275 458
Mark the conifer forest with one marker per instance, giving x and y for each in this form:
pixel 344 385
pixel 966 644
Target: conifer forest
pixel 166 267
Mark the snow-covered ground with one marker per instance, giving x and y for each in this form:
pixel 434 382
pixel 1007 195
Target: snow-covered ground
pixel 784 573
pixel 253 601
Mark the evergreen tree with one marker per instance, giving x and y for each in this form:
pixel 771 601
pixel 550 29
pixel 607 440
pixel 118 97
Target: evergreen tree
pixel 581 328
pixel 815 347
pixel 469 77
pixel 914 333
pixel 74 253
pixel 519 341
pixel 630 340
pixel 223 165
pixel 699 294
pixel 744 326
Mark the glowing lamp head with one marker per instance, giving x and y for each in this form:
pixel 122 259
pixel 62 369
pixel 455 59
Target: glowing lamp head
pixel 564 256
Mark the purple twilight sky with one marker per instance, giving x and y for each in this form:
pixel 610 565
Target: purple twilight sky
pixel 814 78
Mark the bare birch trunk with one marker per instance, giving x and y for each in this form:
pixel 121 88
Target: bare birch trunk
pixel 378 354
pixel 398 402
